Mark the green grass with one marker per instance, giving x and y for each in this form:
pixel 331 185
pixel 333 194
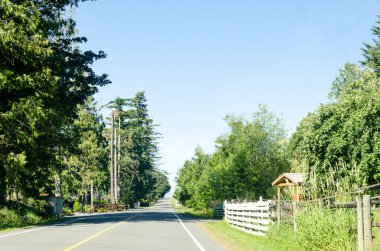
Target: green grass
pixel 319 229
pixel 376 231
pixel 234 239
pixel 12 218
pixel 45 222
pixel 203 214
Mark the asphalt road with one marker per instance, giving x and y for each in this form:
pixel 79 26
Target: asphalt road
pixel 156 228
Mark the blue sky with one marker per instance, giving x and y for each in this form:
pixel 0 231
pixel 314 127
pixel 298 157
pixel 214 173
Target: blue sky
pixel 199 60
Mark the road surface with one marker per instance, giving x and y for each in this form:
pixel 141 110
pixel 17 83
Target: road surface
pixel 155 228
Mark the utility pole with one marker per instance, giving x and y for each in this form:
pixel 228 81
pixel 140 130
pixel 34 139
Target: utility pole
pixel 116 150
pixel 112 160
pixel 118 162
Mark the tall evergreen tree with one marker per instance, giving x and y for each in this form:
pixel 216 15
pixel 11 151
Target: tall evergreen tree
pixel 144 149
pixel 88 164
pixel 43 77
pixel 139 151
pixel 371 52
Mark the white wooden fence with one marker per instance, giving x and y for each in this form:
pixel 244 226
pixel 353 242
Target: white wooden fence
pixel 250 217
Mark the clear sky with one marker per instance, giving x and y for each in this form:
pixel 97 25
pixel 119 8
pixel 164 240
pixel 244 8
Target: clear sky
pixel 199 60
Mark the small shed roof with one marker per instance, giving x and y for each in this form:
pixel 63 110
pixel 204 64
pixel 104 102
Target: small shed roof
pixel 290 178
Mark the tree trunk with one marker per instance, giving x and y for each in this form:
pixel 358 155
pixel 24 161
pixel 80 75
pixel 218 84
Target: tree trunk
pixel 85 198
pixel 58 186
pixel 3 188
pixel 92 194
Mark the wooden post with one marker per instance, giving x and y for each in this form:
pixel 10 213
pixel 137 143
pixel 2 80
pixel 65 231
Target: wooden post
pixel 298 193
pixel 367 224
pixel 294 217
pixel 359 212
pixel 225 210
pixel 278 205
pixel 320 202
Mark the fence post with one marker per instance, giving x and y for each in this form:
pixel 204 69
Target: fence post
pixel 367 224
pixel 278 205
pixel 359 212
pixel 225 210
pixel 294 217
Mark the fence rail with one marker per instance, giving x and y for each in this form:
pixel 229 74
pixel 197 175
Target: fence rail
pixel 250 217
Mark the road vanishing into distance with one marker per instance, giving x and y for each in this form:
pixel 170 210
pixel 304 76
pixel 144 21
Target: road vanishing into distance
pixel 154 228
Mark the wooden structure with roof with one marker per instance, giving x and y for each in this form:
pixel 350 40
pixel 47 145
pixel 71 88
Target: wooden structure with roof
pixel 288 180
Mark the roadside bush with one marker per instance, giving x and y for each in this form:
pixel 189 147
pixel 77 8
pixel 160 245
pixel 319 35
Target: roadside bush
pixel 326 229
pixel 32 218
pixel 101 201
pixel 88 209
pixel 77 207
pixel 144 203
pixel 10 218
pixel 67 211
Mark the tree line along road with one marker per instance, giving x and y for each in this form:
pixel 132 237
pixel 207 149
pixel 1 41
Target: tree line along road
pixel 155 228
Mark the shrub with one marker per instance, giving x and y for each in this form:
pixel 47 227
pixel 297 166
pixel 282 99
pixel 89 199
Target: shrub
pixel 67 210
pixel 10 218
pixel 77 207
pixel 101 201
pixel 33 218
pixel 88 209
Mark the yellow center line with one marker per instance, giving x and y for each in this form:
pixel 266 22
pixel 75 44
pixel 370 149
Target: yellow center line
pixel 96 235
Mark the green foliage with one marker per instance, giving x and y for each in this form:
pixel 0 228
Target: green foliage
pixel 88 159
pixel 158 184
pixel 283 237
pixel 77 207
pixel 43 77
pixel 342 137
pixel 20 216
pixel 338 143
pixel 140 179
pixel 67 211
pixel 88 209
pixel 326 229
pixel 245 163
pixel 32 218
pixel 318 228
pixel 371 53
pixel 235 239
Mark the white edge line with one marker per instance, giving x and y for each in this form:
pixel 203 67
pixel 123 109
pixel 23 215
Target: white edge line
pixel 37 229
pixel 189 233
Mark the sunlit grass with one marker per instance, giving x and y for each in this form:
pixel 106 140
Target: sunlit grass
pixel 233 239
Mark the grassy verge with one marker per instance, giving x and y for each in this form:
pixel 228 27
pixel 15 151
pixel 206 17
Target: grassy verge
pixel 236 240
pixel 376 231
pixel 318 229
pixel 20 215
pixel 44 222
pixel 196 213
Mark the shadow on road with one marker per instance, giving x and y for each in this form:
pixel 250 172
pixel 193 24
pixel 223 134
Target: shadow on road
pixel 140 216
